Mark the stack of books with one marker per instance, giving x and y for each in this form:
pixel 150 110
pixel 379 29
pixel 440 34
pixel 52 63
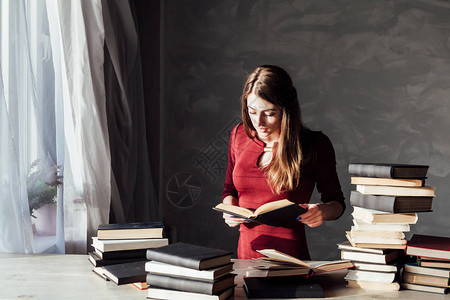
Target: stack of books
pixel 120 250
pixel 429 270
pixel 187 271
pixel 385 203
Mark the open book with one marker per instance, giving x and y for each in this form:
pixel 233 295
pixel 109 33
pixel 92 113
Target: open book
pixel 276 260
pixel 276 213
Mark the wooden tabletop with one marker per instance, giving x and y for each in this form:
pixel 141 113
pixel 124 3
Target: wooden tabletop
pixel 55 276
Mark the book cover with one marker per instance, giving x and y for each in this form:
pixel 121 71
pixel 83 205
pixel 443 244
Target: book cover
pixel 190 285
pixel 170 294
pixel 426 279
pixel 156 267
pixel 190 256
pixel 122 254
pixel 285 287
pixel 391 204
pixel 126 273
pixel 424 191
pixel 373 285
pixel 360 275
pixel 429 246
pixel 386 258
pixel 116 245
pixel 96 261
pixel 377 216
pixel 131 230
pixel 415 268
pixel 276 213
pixel 388 170
pixel 424 288
pixel 360 224
pixel 387 181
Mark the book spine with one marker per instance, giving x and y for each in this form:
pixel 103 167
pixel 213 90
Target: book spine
pixel 180 284
pixel 367 170
pixel 382 203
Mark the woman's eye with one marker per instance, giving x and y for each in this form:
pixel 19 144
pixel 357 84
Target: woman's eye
pixel 252 112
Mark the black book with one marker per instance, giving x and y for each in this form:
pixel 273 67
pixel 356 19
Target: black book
pixel 391 204
pixel 190 256
pixel 122 254
pixel 189 285
pixel 139 230
pixel 282 287
pixel 96 261
pixel 126 273
pixel 388 170
pixel 277 213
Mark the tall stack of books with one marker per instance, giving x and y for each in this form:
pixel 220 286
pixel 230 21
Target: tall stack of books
pixel 186 271
pixel 429 270
pixel 120 250
pixel 385 203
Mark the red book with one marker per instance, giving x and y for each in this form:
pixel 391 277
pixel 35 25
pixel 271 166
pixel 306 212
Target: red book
pixel 429 246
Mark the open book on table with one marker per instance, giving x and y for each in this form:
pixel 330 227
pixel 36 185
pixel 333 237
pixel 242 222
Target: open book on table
pixel 276 213
pixel 276 260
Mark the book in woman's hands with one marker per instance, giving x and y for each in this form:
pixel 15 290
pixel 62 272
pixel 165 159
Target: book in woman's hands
pixel 276 213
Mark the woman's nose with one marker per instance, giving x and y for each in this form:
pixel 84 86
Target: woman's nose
pixel 260 120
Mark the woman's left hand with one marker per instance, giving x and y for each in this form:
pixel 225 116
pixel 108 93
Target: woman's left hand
pixel 313 217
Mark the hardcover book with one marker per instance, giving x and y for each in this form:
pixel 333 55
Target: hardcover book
pixel 190 256
pixel 156 267
pixel 117 245
pixel 426 279
pixel 373 285
pixel 424 288
pixel 377 216
pixel 433 263
pixel 122 254
pixel 142 230
pixel 360 224
pixel 373 245
pixel 386 258
pixel 388 170
pixel 387 181
pixel 282 287
pixel 98 262
pixel 367 266
pixel 371 276
pixel 429 246
pixel 276 213
pixel 190 285
pixel 170 294
pixel 391 204
pixel 126 273
pixel 414 268
pixel 424 191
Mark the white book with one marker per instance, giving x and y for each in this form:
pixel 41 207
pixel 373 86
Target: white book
pixel 373 285
pixel 360 224
pixel 425 191
pixel 168 294
pixel 377 216
pixel 376 240
pixel 365 266
pixel 370 276
pixel 371 257
pixel 156 267
pixel 354 232
pixel 117 245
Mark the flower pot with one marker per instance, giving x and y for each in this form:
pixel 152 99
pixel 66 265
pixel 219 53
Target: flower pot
pixel 45 220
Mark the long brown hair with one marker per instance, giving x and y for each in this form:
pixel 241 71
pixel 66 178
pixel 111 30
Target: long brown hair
pixel 274 85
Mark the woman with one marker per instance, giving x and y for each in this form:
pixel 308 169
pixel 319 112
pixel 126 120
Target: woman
pixel 272 156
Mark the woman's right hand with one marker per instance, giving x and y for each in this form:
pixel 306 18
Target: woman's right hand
pixel 233 221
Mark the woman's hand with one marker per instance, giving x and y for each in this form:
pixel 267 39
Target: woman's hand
pixel 317 213
pixel 313 217
pixel 233 221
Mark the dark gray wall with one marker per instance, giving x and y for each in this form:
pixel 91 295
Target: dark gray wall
pixel 372 75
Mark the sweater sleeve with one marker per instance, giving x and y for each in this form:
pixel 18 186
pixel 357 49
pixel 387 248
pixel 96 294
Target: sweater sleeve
pixel 325 172
pixel 229 188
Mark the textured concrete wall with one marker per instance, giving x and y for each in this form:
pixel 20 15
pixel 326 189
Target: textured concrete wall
pixel 372 75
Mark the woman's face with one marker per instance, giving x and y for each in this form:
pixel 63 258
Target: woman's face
pixel 265 117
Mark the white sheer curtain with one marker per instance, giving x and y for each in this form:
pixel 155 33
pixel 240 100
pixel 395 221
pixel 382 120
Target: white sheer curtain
pixel 52 108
